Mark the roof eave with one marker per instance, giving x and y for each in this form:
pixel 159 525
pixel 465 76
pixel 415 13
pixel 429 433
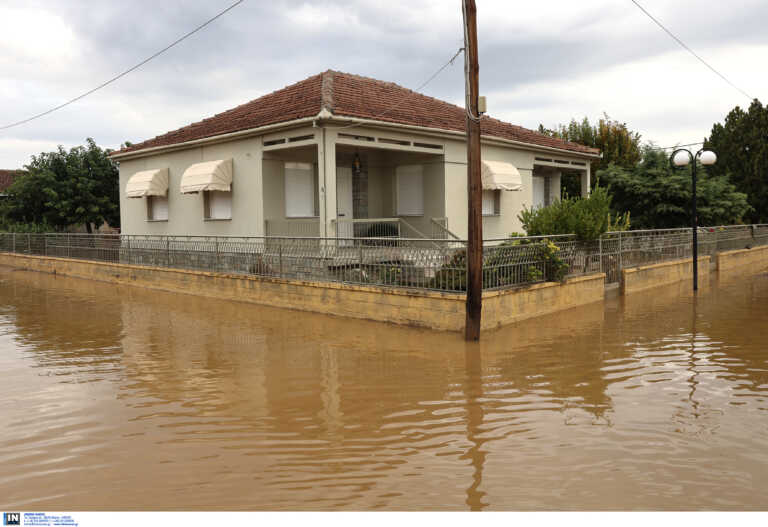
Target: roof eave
pixel 454 133
pixel 328 118
pixel 241 134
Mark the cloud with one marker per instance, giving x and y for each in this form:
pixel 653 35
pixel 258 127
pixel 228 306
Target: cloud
pixel 542 62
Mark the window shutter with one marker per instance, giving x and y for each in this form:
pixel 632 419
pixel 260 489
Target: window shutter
pixel 158 207
pixel 299 190
pixel 219 205
pixel 410 190
pixel 489 202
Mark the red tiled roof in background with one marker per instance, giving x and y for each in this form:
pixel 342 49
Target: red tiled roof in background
pixel 7 177
pixel 348 95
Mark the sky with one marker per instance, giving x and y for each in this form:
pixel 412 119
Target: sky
pixel 542 62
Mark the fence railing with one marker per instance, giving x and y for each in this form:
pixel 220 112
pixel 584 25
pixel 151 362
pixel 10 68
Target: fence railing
pixel 302 227
pixel 424 263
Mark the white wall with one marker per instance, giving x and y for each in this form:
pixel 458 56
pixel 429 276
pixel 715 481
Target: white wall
pixel 258 189
pixel 511 203
pixel 185 211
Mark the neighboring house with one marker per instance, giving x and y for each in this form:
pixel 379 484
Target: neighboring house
pixel 6 178
pixel 338 154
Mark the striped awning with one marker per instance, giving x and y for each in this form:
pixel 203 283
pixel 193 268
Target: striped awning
pixel 498 175
pixel 147 183
pixel 210 175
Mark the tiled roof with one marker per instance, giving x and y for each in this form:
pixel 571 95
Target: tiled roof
pixel 7 177
pixel 348 95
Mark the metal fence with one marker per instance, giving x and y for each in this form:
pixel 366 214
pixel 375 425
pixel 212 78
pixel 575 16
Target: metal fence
pixel 437 264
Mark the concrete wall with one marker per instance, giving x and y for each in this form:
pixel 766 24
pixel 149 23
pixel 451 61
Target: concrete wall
pixel 648 276
pixel 501 308
pixel 429 309
pixel 258 184
pixel 185 211
pixel 511 202
pixel 755 259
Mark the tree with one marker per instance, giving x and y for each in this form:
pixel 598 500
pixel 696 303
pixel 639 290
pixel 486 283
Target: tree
pixel 741 145
pixel 618 144
pixel 658 196
pixel 63 188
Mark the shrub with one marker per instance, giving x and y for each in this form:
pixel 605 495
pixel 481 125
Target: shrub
pixel 587 218
pixel 505 265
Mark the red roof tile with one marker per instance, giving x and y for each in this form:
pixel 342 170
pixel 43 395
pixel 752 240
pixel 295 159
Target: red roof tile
pixel 7 177
pixel 348 95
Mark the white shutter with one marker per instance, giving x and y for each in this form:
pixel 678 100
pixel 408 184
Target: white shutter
pixel 299 190
pixel 219 205
pixel 538 191
pixel 160 207
pixel 489 202
pixel 410 190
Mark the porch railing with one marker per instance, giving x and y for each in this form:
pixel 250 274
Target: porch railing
pixel 440 229
pixel 424 263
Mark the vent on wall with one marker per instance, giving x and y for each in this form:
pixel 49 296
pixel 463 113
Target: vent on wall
pixel 358 137
pixel 388 141
pixel 301 138
pixel 557 162
pixel 427 145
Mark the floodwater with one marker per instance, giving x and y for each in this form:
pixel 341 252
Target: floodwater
pixel 121 398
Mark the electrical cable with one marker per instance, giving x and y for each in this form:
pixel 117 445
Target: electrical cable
pixel 658 23
pixel 413 92
pixel 467 53
pixel 126 72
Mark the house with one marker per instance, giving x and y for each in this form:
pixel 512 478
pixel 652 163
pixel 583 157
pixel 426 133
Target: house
pixel 338 155
pixel 6 179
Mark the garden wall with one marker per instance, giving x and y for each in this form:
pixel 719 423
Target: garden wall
pixel 413 307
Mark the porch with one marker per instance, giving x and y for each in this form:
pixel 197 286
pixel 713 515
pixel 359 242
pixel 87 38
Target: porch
pixel 333 184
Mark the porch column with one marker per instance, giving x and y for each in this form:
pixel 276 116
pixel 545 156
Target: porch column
pixel 326 184
pixel 585 184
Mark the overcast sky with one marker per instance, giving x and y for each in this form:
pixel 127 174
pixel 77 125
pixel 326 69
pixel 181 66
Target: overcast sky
pixel 540 62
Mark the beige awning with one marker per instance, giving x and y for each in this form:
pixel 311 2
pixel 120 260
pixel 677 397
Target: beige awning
pixel 498 175
pixel 147 183
pixel 210 175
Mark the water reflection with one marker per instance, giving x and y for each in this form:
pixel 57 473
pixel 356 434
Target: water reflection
pixel 124 398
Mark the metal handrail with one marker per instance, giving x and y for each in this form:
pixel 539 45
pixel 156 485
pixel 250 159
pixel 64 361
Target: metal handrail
pixel 442 228
pixel 425 263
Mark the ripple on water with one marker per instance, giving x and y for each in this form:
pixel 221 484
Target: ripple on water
pixel 129 399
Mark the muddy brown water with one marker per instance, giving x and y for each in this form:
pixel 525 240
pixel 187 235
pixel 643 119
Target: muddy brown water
pixel 123 398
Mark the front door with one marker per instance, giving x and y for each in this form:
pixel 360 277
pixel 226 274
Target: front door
pixel 344 211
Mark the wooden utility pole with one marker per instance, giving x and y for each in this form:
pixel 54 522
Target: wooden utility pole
pixel 474 179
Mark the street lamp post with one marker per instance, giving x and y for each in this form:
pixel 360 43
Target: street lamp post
pixel 681 158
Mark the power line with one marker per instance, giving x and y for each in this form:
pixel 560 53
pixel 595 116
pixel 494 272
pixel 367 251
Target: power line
pixel 413 92
pixel 668 32
pixel 126 72
pixel 678 146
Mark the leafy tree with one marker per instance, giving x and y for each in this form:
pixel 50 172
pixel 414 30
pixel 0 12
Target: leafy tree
pixel 618 144
pixel 63 188
pixel 741 145
pixel 587 218
pixel 658 196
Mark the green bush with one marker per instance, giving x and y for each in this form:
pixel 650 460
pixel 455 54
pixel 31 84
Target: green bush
pixel 505 266
pixel 10 226
pixel 587 218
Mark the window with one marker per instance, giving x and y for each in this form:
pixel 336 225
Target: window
pixel 157 208
pixel 410 190
pixel 301 200
pixel 218 205
pixel 539 196
pixel 491 202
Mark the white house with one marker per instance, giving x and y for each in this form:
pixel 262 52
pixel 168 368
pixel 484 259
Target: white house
pixel 338 155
